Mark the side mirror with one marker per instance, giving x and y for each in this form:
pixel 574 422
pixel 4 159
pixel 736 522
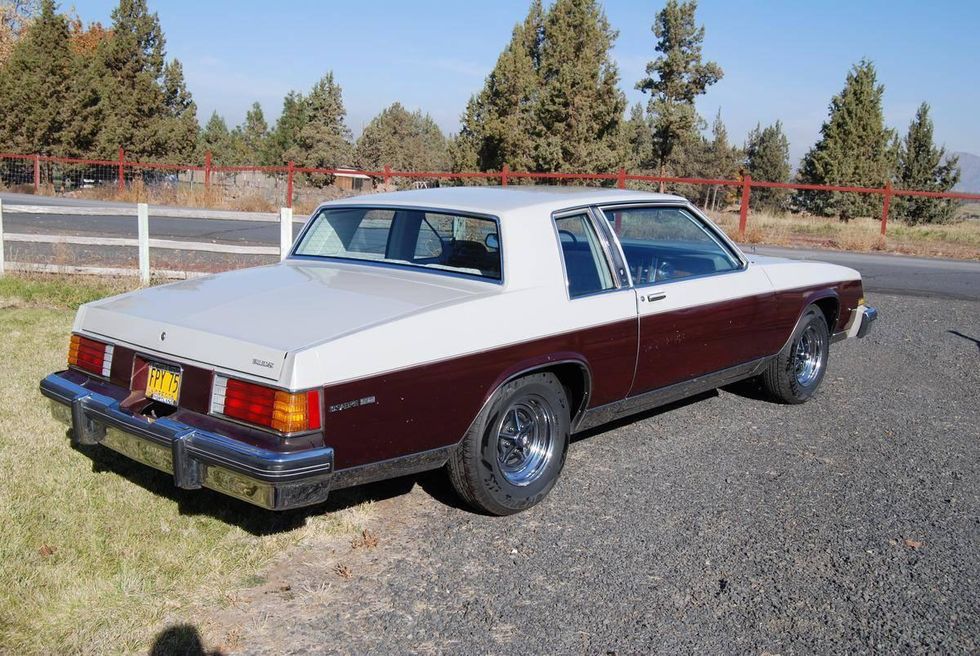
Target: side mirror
pixel 492 241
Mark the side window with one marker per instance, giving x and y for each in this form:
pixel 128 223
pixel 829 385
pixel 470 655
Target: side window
pixel 585 265
pixel 429 243
pixel 668 243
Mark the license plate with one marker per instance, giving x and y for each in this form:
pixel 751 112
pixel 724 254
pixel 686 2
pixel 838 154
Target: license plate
pixel 163 383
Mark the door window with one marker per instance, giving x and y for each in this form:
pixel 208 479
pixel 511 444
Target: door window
pixel 585 265
pixel 668 243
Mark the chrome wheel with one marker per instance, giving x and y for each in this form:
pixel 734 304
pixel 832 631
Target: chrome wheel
pixel 526 440
pixel 808 358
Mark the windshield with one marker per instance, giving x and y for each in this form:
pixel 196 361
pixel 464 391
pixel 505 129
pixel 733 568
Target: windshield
pixel 457 243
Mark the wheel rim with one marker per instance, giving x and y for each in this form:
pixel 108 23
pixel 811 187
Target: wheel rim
pixel 525 440
pixel 809 356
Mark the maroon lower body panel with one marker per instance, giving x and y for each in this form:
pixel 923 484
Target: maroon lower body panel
pixel 432 406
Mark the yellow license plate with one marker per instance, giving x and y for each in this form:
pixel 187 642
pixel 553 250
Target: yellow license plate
pixel 163 384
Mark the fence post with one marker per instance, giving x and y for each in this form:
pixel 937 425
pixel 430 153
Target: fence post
pixel 387 174
pixel 503 175
pixel 143 231
pixel 207 170
pixel 621 179
pixel 886 203
pixel 1 236
pixel 285 231
pixel 122 169
pixel 290 171
pixel 37 173
pixel 743 212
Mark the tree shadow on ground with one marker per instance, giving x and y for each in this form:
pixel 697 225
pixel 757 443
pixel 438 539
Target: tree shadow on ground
pixel 966 337
pixel 180 640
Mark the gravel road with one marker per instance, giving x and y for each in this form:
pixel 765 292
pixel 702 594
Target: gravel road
pixel 850 524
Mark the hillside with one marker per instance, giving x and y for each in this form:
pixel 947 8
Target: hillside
pixel 970 172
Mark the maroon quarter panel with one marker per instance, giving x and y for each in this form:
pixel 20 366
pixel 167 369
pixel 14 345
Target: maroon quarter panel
pixel 432 405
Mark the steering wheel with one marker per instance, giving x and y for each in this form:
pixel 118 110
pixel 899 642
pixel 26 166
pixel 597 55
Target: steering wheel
pixel 566 232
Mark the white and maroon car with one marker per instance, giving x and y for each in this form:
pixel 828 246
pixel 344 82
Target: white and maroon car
pixel 472 328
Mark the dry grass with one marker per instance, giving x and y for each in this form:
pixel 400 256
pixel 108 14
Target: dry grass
pixel 100 553
pixel 958 240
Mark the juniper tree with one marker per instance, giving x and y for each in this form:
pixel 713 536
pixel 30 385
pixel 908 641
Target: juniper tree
pixel 178 124
pixel 406 141
pixel 767 158
pixel 923 166
pixel 855 149
pixel 254 135
pixel 579 114
pixel 638 141
pixel 282 138
pixel 498 122
pixel 216 139
pixel 34 84
pixel 324 141
pixel 675 79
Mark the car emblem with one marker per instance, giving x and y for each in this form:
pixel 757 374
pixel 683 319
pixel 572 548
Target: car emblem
pixel 163 336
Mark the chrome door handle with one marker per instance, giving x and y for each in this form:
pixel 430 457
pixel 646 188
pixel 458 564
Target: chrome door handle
pixel 656 297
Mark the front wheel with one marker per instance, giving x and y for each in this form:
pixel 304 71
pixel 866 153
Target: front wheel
pixel 795 373
pixel 510 461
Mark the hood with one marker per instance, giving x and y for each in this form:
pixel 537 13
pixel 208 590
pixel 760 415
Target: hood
pixel 250 320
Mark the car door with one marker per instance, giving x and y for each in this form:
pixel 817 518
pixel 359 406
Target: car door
pixel 699 301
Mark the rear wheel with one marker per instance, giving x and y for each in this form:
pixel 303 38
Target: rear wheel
pixel 512 459
pixel 794 375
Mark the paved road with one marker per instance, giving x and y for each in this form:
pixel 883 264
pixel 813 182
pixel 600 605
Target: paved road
pixel 726 525
pixel 882 273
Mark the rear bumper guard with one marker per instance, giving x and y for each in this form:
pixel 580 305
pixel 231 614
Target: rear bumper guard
pixel 271 479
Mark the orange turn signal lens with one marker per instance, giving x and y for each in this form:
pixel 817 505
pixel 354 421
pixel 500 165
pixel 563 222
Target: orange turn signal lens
pixel 90 355
pixel 286 412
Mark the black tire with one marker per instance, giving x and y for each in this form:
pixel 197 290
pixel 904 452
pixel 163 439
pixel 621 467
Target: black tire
pixel 487 475
pixel 788 378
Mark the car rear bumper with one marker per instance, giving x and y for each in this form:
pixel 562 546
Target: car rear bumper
pixel 197 458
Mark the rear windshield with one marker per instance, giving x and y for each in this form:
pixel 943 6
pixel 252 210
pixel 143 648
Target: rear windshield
pixel 466 245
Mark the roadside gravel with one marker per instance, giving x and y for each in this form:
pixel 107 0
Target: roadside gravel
pixel 850 524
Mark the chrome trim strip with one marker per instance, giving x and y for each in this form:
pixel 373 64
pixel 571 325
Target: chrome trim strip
pixel 669 394
pixel 407 465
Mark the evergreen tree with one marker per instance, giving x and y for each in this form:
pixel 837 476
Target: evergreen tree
pixel 324 141
pixel 767 159
pixel 178 125
pixel 406 141
pixel 131 103
pixel 639 142
pixel 923 166
pixel 34 84
pixel 497 124
pixel 721 161
pixel 217 139
pixel 675 79
pixel 580 112
pixel 283 137
pixel 254 134
pixel 855 149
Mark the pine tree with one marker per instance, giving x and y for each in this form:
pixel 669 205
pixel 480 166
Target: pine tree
pixel 254 134
pixel 639 142
pixel 498 121
pixel 580 112
pixel 283 137
pixel 675 79
pixel 767 159
pixel 217 139
pixel 855 149
pixel 34 84
pixel 923 166
pixel 721 161
pixel 324 141
pixel 178 125
pixel 406 141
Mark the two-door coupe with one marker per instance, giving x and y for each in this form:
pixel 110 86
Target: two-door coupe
pixel 471 328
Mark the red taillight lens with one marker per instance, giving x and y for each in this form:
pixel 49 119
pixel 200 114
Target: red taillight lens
pixel 286 412
pixel 90 355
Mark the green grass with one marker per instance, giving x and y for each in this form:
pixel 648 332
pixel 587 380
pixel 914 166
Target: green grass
pixel 60 291
pixel 98 553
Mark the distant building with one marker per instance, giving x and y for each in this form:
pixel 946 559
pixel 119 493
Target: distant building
pixel 352 180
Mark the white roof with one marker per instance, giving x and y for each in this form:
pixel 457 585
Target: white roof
pixel 502 200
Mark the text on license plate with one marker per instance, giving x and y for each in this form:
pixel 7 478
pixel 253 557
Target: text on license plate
pixel 163 383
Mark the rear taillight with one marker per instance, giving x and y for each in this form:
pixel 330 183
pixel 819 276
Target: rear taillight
pixel 90 355
pixel 286 412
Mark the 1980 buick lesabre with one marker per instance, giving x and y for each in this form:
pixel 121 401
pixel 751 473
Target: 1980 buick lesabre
pixel 471 328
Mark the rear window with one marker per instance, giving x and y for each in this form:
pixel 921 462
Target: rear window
pixel 457 243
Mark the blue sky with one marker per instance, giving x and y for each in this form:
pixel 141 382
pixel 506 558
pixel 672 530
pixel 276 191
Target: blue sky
pixel 782 60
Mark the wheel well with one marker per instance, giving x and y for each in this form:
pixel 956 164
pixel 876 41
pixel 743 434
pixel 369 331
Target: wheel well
pixel 830 307
pixel 575 379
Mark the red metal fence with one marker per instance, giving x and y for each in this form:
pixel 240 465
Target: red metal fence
pixel 280 184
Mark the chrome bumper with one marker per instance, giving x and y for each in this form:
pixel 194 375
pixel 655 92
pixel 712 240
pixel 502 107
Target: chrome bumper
pixel 864 317
pixel 196 458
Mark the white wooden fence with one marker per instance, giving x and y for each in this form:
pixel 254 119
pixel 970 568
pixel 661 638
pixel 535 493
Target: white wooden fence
pixel 143 242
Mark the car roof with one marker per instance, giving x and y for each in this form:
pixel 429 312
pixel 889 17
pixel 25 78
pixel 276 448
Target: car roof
pixel 503 200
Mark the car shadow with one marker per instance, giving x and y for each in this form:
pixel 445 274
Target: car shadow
pixel 641 416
